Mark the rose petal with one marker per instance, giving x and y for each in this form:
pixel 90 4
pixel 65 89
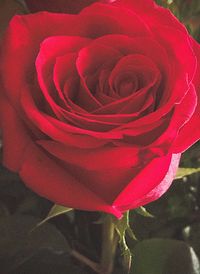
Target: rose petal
pixel 44 176
pixel 132 23
pixel 95 159
pixel 14 134
pixel 151 13
pixel 92 59
pixel 144 182
pixel 66 80
pixel 181 115
pixel 185 139
pixel 50 49
pixel 24 35
pixel 159 190
pixel 60 131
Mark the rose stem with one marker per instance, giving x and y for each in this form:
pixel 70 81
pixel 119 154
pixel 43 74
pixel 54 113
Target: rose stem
pixel 109 244
pixel 94 266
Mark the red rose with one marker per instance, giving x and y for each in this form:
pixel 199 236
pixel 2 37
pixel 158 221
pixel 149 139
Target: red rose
pixel 97 107
pixel 69 6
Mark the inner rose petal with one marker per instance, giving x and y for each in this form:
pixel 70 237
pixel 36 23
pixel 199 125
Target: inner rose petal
pixel 65 74
pixel 137 45
pixel 50 49
pixel 127 45
pixel 63 71
pixel 165 54
pixel 174 79
pixel 147 73
pixel 66 80
pixel 132 73
pixel 123 118
pixel 44 66
pixel 102 90
pixel 91 60
pixel 148 78
pixel 127 85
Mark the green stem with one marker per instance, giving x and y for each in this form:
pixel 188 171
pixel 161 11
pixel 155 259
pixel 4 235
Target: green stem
pixel 109 244
pixel 86 261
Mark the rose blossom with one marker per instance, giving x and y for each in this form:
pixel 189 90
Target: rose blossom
pixel 97 107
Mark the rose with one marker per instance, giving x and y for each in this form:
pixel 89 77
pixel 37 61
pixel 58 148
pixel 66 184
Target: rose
pixel 68 6
pixel 97 107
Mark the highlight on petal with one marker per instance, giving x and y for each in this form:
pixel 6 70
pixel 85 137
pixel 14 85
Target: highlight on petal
pixel 159 189
pixel 146 188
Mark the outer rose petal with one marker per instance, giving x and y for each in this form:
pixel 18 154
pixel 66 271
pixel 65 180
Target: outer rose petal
pixel 68 6
pixel 15 136
pixel 181 115
pixel 160 189
pixel 41 173
pixel 44 176
pixel 144 182
pixel 151 13
pixel 185 139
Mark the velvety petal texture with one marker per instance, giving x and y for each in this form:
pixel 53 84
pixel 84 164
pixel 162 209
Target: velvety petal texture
pixel 97 107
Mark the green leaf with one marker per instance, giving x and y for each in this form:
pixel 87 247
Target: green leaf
pixel 56 210
pixel 183 172
pixel 142 211
pixel 158 256
pixel 48 263
pixel 18 244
